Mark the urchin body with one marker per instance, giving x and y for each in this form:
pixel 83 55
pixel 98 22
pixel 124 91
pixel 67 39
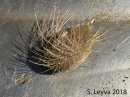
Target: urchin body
pixel 74 48
pixel 65 49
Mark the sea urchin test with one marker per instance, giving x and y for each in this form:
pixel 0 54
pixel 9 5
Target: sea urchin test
pixel 64 49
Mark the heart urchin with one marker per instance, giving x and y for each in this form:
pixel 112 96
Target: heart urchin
pixel 63 49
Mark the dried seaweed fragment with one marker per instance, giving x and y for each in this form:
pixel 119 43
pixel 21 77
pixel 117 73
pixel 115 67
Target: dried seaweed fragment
pixel 21 80
pixel 5 71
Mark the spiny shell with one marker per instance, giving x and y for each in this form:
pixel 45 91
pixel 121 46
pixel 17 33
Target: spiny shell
pixel 65 49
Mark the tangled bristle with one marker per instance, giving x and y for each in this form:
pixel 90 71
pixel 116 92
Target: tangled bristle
pixel 64 49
